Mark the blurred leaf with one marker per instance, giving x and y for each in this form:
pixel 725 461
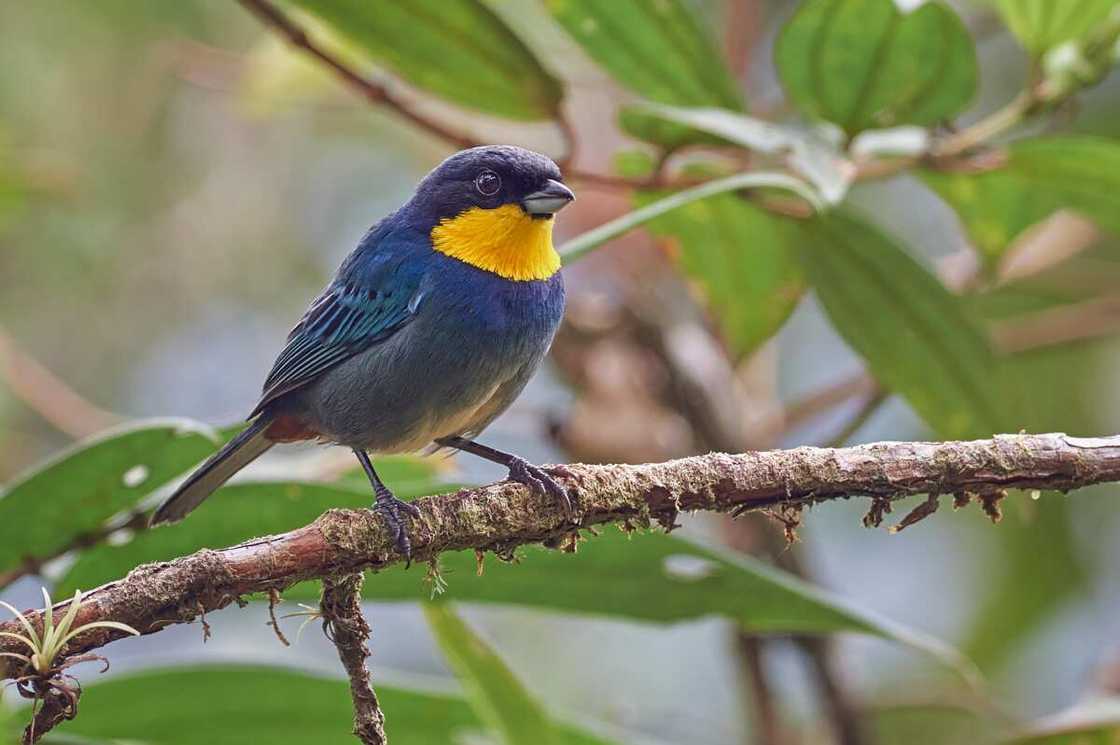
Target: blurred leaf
pixel 1082 172
pixel 642 124
pixel 633 164
pixel 818 161
pixel 235 514
pixel 1095 722
pixel 457 49
pixel 933 724
pixel 995 207
pixel 1030 585
pixel 9 728
pixel 232 705
pixel 1041 176
pixel 1040 567
pixel 278 76
pixel 911 331
pixel 651 577
pixel 658 49
pixel 1044 24
pixel 495 693
pixel 863 64
pixel 592 239
pixel 498 697
pixel 76 492
pixel 411 475
pixel 743 261
pixel 12 190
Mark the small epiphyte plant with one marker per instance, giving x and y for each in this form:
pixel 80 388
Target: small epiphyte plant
pixel 309 612
pixel 44 672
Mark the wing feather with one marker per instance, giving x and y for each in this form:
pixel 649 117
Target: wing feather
pixel 347 318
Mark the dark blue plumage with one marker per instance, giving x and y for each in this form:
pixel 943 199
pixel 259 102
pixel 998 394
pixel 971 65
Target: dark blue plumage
pixel 409 345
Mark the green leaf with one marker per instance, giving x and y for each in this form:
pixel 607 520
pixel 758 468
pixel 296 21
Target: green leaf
pixel 816 161
pixel 596 237
pixel 742 260
pixel 278 77
pixel 863 64
pixel 457 49
pixel 1095 722
pixel 1041 25
pixel 933 723
pixel 12 188
pixel 1041 175
pixel 657 49
pixel 411 475
pixel 642 124
pixel 994 207
pixel 1029 585
pixel 635 164
pixel 76 492
pixel 235 704
pixel 498 697
pixel 232 705
pixel 911 331
pixel 9 732
pixel 654 578
pixel 1082 172
pixel 235 514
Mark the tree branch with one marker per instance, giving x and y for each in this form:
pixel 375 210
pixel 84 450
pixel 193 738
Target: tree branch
pixel 344 623
pixel 48 395
pixel 503 516
pixel 52 711
pixel 380 95
pixel 371 90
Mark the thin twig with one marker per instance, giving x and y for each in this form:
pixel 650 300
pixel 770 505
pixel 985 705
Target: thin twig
pixel 765 720
pixel 371 90
pixel 273 601
pixel 866 410
pixel 48 395
pixel 841 713
pixel 380 95
pixel 506 515
pixel 341 606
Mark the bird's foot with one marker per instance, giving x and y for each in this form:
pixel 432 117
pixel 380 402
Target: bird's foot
pixel 394 510
pixel 541 481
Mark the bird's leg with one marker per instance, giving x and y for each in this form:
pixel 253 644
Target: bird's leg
pixel 522 471
pixel 390 507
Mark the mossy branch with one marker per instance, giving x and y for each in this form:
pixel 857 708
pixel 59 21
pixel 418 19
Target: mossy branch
pixel 502 516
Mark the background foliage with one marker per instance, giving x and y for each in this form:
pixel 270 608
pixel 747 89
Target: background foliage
pixel 175 182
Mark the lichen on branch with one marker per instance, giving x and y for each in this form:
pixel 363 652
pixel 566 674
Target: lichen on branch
pixel 500 517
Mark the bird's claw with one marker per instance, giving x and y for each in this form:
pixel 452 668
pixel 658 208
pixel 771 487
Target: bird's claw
pixel 541 481
pixel 393 510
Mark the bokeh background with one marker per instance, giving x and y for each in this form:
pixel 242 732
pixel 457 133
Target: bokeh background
pixel 176 183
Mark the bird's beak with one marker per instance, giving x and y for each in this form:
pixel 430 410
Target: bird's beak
pixel 548 201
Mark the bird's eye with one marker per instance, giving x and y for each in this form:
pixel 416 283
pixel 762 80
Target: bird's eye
pixel 488 183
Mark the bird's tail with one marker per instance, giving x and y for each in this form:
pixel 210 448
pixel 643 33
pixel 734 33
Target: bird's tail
pixel 239 452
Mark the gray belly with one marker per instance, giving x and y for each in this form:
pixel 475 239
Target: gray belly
pixel 421 384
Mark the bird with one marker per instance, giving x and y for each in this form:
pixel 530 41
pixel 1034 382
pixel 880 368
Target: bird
pixel 430 328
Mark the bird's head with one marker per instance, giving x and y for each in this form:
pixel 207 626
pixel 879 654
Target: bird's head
pixel 492 207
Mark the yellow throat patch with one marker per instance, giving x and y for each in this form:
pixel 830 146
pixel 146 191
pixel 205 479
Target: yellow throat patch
pixel 504 240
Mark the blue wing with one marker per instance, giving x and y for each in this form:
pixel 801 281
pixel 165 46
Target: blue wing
pixel 347 318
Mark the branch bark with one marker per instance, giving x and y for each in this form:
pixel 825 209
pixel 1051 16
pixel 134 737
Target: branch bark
pixel 345 625
pixel 505 515
pixel 52 711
